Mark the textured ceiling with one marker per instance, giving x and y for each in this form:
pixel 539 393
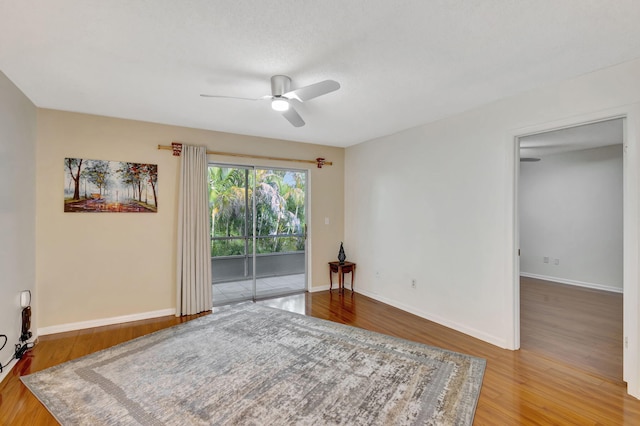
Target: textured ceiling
pixel 400 63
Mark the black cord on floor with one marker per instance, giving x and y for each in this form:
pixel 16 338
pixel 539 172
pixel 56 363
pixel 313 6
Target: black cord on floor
pixel 21 349
pixel 6 339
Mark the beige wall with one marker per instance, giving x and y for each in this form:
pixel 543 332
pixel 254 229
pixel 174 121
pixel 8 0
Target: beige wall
pixel 99 266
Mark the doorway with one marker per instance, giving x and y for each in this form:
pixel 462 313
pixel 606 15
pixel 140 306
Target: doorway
pixel 258 232
pixel 570 216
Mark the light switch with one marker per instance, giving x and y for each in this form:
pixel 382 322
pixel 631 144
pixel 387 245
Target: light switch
pixel 326 220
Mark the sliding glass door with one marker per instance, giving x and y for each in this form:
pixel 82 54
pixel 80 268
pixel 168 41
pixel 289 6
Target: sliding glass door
pixel 258 232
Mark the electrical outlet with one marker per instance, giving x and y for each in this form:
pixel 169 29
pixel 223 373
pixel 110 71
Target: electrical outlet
pixel 413 283
pixel 545 259
pixel 556 261
pixel 377 275
pixel 626 343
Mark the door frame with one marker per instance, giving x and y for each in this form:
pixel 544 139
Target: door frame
pixel 631 235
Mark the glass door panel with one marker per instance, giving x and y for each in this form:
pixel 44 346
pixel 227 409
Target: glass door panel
pixel 280 225
pixel 231 252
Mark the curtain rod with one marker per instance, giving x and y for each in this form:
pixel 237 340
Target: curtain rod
pixel 176 147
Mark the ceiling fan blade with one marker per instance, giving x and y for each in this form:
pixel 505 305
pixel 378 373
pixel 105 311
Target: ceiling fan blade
pixel 293 117
pixel 235 97
pixel 313 90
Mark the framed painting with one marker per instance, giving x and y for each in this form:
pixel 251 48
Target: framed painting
pixel 99 186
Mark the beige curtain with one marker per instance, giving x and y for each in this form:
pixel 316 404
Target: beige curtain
pixel 194 252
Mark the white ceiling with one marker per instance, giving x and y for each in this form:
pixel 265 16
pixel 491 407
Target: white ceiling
pixel 593 135
pixel 400 64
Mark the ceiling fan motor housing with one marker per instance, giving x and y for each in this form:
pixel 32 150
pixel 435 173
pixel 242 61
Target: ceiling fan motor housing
pixel 280 84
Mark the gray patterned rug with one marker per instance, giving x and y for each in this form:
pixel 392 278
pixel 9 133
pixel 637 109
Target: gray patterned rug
pixel 262 366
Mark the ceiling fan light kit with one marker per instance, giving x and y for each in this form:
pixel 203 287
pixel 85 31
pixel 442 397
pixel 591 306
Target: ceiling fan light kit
pixel 280 104
pixel 281 96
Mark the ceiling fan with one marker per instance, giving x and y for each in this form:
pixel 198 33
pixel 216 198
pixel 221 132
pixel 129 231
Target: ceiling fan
pixel 281 96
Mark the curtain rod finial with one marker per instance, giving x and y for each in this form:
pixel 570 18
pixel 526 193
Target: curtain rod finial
pixel 177 148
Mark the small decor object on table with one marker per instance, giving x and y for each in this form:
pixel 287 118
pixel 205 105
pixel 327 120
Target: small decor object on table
pixel 341 255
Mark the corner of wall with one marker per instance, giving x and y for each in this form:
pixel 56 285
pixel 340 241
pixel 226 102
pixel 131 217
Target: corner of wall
pixel 18 129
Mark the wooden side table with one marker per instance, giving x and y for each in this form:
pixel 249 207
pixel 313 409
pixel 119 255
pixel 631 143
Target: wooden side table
pixel 341 269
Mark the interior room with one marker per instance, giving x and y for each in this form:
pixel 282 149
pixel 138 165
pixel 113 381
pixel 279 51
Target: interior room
pixel 406 123
pixel 570 203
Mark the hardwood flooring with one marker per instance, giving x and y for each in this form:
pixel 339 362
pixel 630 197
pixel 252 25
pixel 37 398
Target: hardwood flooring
pixel 577 325
pixel 524 387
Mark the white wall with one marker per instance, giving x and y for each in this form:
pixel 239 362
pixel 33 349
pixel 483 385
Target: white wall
pixel 428 204
pixel 435 203
pixel 571 210
pixel 17 210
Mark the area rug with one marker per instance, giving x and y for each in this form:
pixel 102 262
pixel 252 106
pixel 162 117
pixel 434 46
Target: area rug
pixel 256 365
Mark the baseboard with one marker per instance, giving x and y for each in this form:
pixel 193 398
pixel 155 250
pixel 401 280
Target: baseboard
pixel 439 320
pixel 318 288
pixel 328 287
pixel 593 286
pixel 104 321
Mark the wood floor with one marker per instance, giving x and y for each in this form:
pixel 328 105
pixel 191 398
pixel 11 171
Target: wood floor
pixel 525 387
pixel 576 325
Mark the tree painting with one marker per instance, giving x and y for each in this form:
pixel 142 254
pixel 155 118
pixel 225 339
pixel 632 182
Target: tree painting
pixel 110 186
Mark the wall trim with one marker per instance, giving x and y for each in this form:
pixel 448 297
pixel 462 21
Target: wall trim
pixel 577 283
pixel 104 321
pixel 318 288
pixel 496 341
